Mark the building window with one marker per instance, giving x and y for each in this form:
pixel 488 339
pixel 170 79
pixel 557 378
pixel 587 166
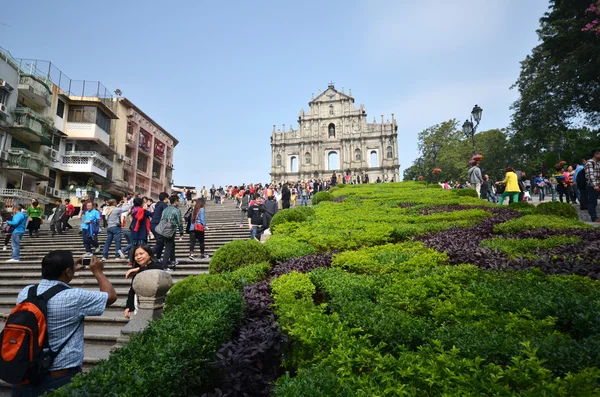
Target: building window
pixel 294 164
pixel 373 162
pixel 332 130
pixel 389 153
pixel 307 158
pixel 332 161
pixel 278 161
pixel 103 121
pixel 331 110
pixel 60 109
pixel 357 155
pixel 82 114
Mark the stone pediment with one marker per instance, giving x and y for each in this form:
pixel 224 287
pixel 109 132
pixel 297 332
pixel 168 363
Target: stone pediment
pixel 331 95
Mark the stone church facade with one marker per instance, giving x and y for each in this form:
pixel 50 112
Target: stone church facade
pixel 335 136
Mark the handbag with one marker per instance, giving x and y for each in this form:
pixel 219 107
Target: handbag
pixel 198 227
pixel 165 229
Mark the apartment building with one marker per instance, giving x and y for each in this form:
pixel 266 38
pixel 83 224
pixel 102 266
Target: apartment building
pixel 146 165
pixel 69 138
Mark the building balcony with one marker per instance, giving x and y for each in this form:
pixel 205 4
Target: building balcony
pixel 89 131
pixel 35 89
pixel 85 162
pixel 31 126
pixel 27 161
pixel 11 197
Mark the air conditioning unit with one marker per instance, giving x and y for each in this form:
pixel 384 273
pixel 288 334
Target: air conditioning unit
pixel 56 193
pixel 53 154
pixel 50 190
pixel 3 155
pixel 4 85
pixel 121 157
pixel 128 161
pixel 3 109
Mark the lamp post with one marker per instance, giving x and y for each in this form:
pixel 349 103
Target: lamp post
pixel 434 152
pixel 469 128
pixel 419 165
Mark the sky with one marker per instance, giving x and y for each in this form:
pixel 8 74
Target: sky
pixel 218 75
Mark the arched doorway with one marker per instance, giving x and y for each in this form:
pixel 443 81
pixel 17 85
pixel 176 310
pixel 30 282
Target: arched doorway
pixel 373 159
pixel 293 164
pixel 333 161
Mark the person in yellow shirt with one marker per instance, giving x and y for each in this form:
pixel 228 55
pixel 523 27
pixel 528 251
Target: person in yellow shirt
pixel 511 181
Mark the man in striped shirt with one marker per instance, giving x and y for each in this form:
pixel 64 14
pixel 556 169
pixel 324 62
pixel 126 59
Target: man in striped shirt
pixel 173 215
pixel 592 176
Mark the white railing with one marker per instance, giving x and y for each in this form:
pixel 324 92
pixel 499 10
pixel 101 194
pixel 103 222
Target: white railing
pixel 18 196
pixel 90 154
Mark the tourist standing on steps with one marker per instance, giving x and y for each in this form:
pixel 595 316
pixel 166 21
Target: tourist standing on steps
pixel 197 229
pixel 66 310
pixel 163 202
pixel 114 230
pixel 17 222
pixel 592 176
pixel 143 259
pixel 58 218
pixel 90 227
pixel 304 194
pixel 285 196
pixel 34 213
pixel 140 226
pixel 270 211
pixel 172 214
pixel 255 214
pixel 68 214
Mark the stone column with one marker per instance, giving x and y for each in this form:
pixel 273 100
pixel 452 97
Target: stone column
pixel 151 287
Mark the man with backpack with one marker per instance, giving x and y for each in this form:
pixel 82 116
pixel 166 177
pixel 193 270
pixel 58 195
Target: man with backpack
pixel 244 205
pixel 54 313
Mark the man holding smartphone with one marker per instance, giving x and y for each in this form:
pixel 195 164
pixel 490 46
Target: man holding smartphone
pixel 66 311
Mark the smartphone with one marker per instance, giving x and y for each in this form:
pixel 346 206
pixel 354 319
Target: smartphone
pixel 86 261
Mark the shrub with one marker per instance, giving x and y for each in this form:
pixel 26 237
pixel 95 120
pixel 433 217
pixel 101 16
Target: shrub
pixel 526 247
pixel 322 196
pixel 390 258
pixel 192 285
pixel 533 222
pixel 171 357
pixel 557 208
pixel 298 214
pixel 523 207
pixel 247 275
pixel 466 192
pixel 282 248
pixel 236 254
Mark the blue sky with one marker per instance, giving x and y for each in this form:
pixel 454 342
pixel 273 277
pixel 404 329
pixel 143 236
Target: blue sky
pixel 218 75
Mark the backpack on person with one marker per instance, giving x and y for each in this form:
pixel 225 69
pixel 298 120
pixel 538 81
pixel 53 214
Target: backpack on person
pixel 25 350
pixel 245 203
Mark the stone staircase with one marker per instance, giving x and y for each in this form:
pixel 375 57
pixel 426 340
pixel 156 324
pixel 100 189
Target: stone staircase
pixel 101 332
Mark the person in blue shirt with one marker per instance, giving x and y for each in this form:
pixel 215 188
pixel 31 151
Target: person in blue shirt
pixel 90 226
pixel 18 222
pixel 577 169
pixel 540 184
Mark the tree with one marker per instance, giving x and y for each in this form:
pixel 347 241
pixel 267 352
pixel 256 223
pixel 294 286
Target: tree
pixel 559 83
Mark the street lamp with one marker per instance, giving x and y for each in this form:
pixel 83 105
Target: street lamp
pixel 420 162
pixel 469 128
pixel 434 152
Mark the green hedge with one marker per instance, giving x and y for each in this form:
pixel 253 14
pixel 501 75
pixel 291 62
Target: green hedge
pixel 321 196
pixel 557 208
pixel 236 254
pixel 297 214
pixel 523 207
pixel 282 248
pixel 473 332
pixel 525 247
pixel 466 192
pixel 204 283
pixel 534 222
pixel 169 358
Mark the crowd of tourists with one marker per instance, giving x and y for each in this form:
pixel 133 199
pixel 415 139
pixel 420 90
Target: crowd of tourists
pixel 577 183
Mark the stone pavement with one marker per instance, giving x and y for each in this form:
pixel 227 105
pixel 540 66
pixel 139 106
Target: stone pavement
pixel 101 332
